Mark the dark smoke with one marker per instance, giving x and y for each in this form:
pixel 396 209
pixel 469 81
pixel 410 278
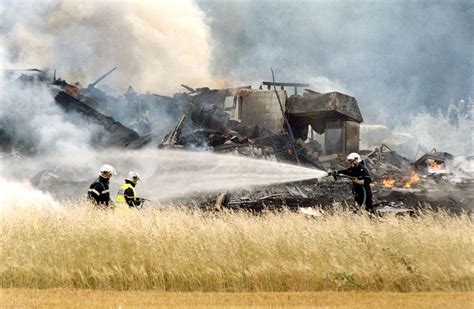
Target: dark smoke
pixel 401 57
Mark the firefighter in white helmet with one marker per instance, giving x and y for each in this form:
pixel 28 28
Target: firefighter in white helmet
pixel 127 196
pixel 361 181
pixel 99 190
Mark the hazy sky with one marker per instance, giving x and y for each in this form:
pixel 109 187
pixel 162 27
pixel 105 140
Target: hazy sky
pixel 397 56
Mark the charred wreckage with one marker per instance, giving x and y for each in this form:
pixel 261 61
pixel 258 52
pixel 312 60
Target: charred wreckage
pixel 285 122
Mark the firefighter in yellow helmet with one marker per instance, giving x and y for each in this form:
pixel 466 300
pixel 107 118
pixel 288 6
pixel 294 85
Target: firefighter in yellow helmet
pixel 127 196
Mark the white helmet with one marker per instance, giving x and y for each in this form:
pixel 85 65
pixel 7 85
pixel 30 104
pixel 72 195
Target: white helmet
pixel 133 177
pixel 353 157
pixel 107 169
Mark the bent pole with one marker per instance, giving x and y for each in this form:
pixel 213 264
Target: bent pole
pixel 290 131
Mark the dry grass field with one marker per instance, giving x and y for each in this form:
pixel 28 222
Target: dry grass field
pixel 191 251
pixel 63 298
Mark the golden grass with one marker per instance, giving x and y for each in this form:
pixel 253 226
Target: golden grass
pixel 177 250
pixel 63 298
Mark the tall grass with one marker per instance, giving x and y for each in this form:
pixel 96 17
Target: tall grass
pixel 176 250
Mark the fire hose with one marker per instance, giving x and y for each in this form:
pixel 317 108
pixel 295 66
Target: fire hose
pixel 335 174
pixel 142 200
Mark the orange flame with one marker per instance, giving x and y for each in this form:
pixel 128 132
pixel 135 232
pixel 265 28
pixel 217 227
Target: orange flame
pixel 72 90
pixel 410 181
pixel 435 166
pixel 389 183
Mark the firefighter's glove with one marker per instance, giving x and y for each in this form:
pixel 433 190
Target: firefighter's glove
pixel 358 181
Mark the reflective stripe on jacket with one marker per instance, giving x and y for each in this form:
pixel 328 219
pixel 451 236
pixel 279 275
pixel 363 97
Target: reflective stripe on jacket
pixel 99 191
pixel 121 194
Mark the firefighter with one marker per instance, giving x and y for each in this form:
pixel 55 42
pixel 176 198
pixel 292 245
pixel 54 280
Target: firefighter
pixel 127 196
pixel 361 181
pixel 99 190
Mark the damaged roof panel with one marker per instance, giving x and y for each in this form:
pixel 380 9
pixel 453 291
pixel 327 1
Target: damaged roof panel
pixel 312 105
pixel 115 134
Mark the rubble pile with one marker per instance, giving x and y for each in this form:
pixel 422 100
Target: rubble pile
pixel 432 192
pixel 315 130
pixel 399 184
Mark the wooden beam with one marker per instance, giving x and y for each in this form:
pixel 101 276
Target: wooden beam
pixel 285 84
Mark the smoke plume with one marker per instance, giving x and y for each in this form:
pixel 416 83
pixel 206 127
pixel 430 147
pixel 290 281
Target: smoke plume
pixel 396 58
pixel 401 57
pixel 22 195
pixel 156 45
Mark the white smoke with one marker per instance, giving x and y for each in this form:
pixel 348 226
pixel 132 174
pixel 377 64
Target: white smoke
pixel 37 122
pixel 438 132
pixel 20 194
pixel 402 57
pixel 166 174
pixel 323 84
pixel 156 45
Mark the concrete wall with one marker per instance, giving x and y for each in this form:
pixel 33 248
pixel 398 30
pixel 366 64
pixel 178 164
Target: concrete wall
pixel 334 137
pixel 261 108
pixel 352 136
pixel 314 104
pixel 341 137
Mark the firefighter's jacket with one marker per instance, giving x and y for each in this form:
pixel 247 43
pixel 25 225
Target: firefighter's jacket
pixel 99 191
pixel 360 172
pixel 127 196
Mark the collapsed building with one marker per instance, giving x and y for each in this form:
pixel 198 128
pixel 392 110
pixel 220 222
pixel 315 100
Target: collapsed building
pixel 311 129
pixel 235 116
pixel 73 100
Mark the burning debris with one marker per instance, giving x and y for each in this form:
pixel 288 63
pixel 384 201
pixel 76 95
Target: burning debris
pixel 391 171
pixel 311 129
pixel 433 162
pixel 89 103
